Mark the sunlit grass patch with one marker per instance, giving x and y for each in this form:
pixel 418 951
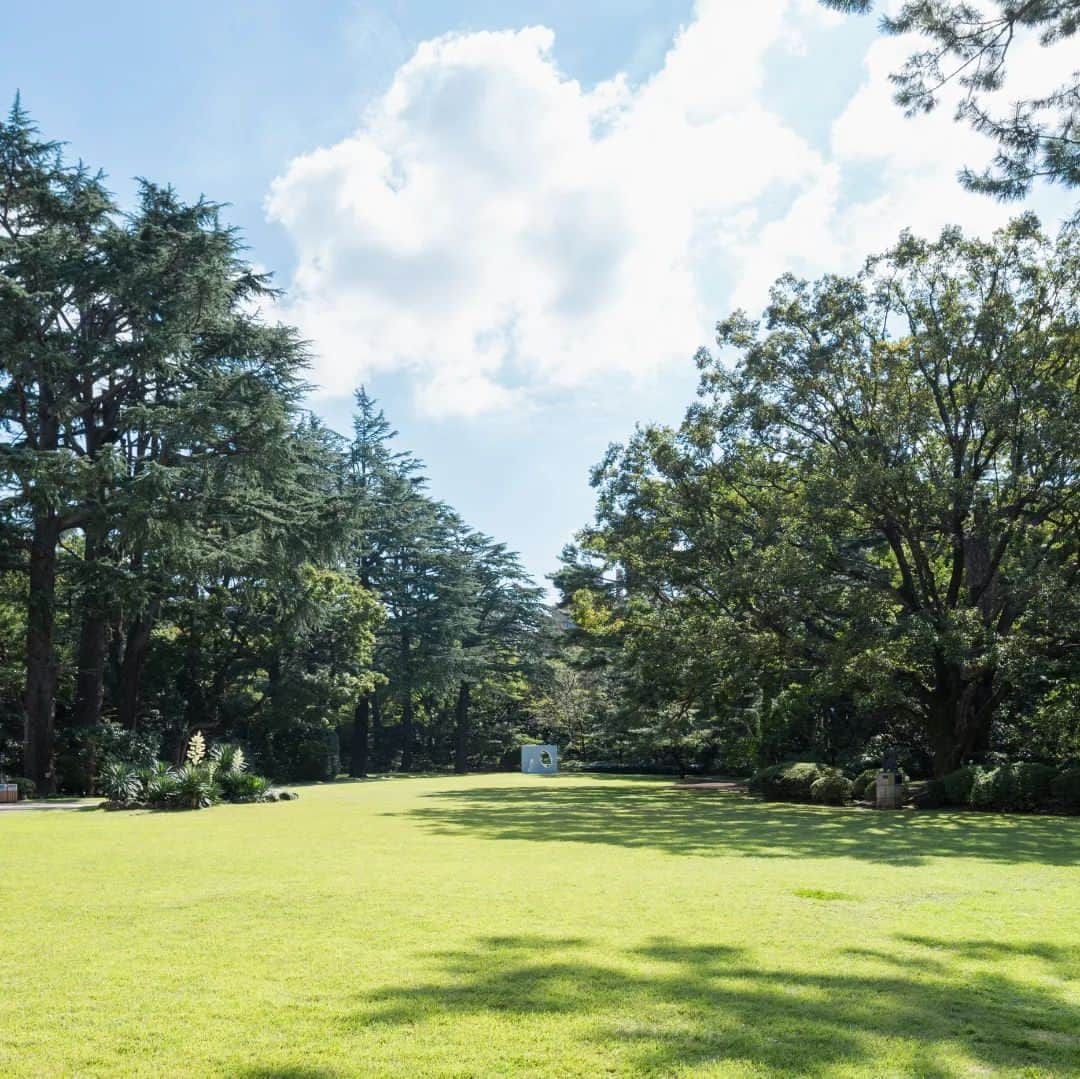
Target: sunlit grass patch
pixel 573 926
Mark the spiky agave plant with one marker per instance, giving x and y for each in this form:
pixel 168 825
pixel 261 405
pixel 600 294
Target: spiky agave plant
pixel 150 773
pixel 161 784
pixel 195 786
pixel 120 783
pixel 244 786
pixel 229 758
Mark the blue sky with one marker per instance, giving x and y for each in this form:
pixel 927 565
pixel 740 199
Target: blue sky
pixel 513 221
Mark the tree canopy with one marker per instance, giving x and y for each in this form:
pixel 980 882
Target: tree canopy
pixel 869 523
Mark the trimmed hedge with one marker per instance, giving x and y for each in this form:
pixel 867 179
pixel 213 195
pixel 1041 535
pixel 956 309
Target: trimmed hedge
pixel 831 790
pixel 864 784
pixel 1014 788
pixel 789 782
pixel 1065 790
pixel 957 785
pixel 1019 787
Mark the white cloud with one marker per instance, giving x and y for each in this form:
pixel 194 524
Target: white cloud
pixel 499 231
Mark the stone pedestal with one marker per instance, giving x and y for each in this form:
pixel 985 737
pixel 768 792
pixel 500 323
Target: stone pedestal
pixel 889 791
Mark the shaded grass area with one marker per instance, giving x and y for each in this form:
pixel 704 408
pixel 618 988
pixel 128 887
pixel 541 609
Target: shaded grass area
pixel 521 925
pixel 669 818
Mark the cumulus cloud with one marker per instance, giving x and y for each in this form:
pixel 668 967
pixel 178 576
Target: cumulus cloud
pixel 500 232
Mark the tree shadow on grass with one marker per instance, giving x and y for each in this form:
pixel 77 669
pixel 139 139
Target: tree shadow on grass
pixel 284 1072
pixel 680 821
pixel 669 1006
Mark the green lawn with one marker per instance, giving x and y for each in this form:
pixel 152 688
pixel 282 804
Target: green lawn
pixel 503 925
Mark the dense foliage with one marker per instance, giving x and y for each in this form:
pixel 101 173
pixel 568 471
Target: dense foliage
pixel 183 548
pixel 865 532
pixel 865 535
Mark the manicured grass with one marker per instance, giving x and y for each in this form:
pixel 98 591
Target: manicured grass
pixel 503 925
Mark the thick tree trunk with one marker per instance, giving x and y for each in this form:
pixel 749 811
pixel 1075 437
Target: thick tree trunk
pixel 93 642
pixel 90 680
pixel 960 720
pixel 408 721
pixel 358 762
pixel 39 700
pixel 408 727
pixel 131 668
pixel 461 730
pixel 378 734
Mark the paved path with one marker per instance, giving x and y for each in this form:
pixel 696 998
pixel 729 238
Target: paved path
pixel 32 804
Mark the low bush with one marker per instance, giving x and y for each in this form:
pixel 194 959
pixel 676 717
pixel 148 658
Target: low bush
pixel 209 775
pixel 1065 790
pixel 1014 788
pixel 789 782
pixel 163 789
pixel 243 786
pixel 862 786
pixel 956 786
pixel 27 787
pixel 195 786
pixel 928 795
pixel 832 790
pixel 120 783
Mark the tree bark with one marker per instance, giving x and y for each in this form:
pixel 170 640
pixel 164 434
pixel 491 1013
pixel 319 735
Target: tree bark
pixel 408 722
pixel 138 640
pixel 93 642
pixel 461 732
pixel 39 699
pixel 960 719
pixel 408 726
pixel 358 762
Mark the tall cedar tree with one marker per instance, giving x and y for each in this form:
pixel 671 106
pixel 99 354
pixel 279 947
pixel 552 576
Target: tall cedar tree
pixel 135 372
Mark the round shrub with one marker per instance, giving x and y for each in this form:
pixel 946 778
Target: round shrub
pixel 789 782
pixel 957 786
pixel 831 790
pixel 1014 788
pixel 864 784
pixel 763 779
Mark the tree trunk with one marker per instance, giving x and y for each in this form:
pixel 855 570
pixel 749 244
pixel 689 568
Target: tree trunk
pixel 408 726
pixel 93 641
pixel 39 700
pixel 358 763
pixel 961 718
pixel 408 722
pixel 461 733
pixel 138 640
pixel 378 733
pixel 90 680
